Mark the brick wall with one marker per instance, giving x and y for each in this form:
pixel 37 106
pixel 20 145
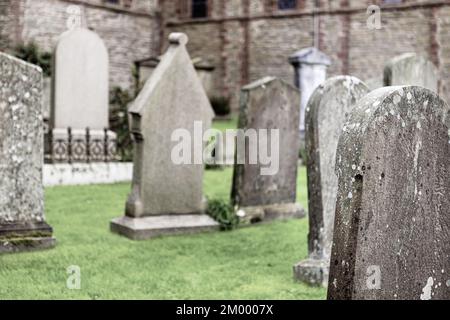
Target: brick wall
pixel 129 33
pixel 249 39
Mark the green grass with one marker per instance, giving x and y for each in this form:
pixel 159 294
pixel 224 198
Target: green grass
pixel 223 125
pixel 248 263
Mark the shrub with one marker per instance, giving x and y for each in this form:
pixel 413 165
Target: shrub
pixel 31 53
pixel 221 105
pixel 118 121
pixel 223 212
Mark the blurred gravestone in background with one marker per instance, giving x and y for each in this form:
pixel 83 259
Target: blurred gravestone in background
pixel 166 197
pixel 310 66
pixel 325 117
pixel 411 69
pixel 22 221
pixel 392 227
pixel 268 104
pixel 80 98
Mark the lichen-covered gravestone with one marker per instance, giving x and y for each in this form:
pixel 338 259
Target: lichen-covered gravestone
pixel 325 117
pixel 80 94
pixel 392 227
pixel 268 104
pixel 166 196
pixel 410 69
pixel 22 221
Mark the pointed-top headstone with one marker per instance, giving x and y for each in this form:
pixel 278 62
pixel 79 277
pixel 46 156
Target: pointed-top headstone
pixel 166 196
pixel 22 221
pixel 411 69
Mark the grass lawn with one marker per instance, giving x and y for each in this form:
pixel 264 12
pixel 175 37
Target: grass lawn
pixel 248 263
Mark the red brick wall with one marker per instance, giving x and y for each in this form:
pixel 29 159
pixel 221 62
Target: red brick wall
pixel 249 39
pixel 129 34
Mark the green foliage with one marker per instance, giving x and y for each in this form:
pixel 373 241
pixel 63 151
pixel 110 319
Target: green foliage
pixel 222 211
pixel 118 121
pixel 221 105
pixel 30 52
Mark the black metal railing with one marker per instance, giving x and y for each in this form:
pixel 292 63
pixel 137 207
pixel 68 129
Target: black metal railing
pixel 67 147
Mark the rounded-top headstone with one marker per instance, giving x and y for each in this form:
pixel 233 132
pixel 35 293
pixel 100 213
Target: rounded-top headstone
pixel 81 81
pixel 326 113
pixel 392 226
pixel 411 69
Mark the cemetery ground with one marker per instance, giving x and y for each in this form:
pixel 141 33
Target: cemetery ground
pixel 248 263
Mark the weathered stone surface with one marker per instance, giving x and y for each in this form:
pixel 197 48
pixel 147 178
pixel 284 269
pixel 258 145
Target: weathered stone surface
pixel 22 221
pixel 80 81
pixel 411 69
pixel 325 116
pixel 310 67
pixel 393 206
pixel 173 98
pixel 268 104
pixel 153 227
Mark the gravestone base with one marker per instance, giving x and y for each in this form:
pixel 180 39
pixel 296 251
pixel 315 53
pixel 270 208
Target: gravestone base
pixel 152 227
pixel 26 237
pixel 313 272
pixel 257 214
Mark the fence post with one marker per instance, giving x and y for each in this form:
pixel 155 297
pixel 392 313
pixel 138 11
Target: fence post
pixel 105 130
pixel 50 144
pixel 88 145
pixel 69 144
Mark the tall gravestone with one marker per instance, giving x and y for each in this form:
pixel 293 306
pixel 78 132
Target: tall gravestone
pixel 268 104
pixel 22 221
pixel 392 227
pixel 310 66
pixel 167 197
pixel 325 117
pixel 411 69
pixel 80 93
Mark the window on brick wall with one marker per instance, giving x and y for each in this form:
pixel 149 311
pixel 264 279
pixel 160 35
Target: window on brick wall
pixel 287 4
pixel 199 9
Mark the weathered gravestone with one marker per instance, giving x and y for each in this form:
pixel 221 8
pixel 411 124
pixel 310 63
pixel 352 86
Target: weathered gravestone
pixel 167 197
pixel 325 116
pixel 22 221
pixel 392 227
pixel 268 106
pixel 80 94
pixel 411 69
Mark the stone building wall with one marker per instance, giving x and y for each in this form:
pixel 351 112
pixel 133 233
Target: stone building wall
pixel 245 39
pixel 130 32
pixel 249 39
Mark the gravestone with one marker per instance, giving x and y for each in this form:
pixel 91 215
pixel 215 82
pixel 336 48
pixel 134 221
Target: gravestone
pixel 410 69
pixel 167 197
pixel 392 226
pixel 310 66
pixel 268 104
pixel 325 117
pixel 22 221
pixel 80 93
